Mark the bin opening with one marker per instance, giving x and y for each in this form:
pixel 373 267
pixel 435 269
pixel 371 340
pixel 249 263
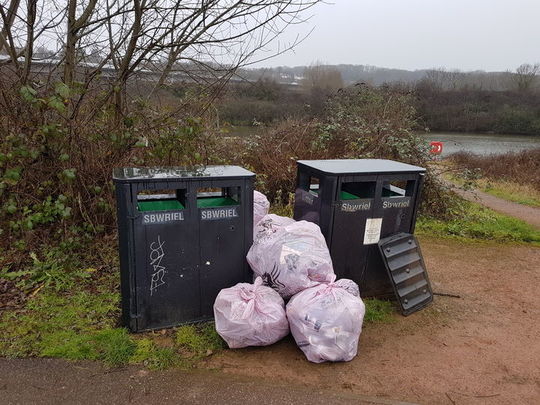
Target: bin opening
pixel 161 200
pixel 398 188
pixel 218 197
pixel 357 190
pixel 314 185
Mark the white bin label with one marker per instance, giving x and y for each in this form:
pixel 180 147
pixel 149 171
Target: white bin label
pixel 373 231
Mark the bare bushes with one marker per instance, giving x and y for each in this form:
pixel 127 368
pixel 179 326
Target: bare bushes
pixel 520 167
pixel 273 154
pixel 361 122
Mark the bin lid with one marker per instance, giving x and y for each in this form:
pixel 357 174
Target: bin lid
pixel 405 266
pixel 355 166
pixel 134 174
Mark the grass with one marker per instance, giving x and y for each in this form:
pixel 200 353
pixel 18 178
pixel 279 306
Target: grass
pixel 519 193
pixel 79 323
pixel 75 317
pixel 73 310
pixel 514 167
pixel 511 176
pixel 475 222
pixel 199 340
pixel 149 354
pixel 378 311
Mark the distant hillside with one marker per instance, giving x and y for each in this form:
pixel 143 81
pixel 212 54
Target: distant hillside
pixel 376 76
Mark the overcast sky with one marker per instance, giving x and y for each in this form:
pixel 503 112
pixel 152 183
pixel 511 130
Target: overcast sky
pixel 491 35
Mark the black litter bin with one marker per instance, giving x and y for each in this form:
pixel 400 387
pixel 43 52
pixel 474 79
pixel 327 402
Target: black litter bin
pixel 356 202
pixel 183 236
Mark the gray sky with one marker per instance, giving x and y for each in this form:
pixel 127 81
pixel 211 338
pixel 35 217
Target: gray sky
pixel 491 35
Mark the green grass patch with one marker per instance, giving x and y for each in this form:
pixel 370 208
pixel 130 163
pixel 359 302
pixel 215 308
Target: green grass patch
pixel 79 322
pixel 515 194
pixel 477 222
pixel 524 194
pixel 153 356
pixel 378 311
pixel 113 346
pixel 199 340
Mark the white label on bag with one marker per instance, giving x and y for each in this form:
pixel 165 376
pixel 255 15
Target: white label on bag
pixel 373 231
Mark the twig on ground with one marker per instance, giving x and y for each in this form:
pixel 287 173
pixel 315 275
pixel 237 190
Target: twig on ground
pixel 486 396
pixel 447 295
pixel 37 290
pixel 475 395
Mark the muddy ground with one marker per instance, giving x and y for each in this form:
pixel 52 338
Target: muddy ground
pixel 481 348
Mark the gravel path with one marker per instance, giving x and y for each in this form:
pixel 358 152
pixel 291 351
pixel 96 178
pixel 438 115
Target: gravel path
pixel 531 215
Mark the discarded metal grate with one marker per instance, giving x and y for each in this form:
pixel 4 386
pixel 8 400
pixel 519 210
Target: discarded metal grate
pixel 407 271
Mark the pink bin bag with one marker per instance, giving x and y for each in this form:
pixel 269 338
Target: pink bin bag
pixel 326 322
pixel 250 315
pixel 291 257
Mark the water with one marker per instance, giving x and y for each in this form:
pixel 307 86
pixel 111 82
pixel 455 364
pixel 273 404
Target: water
pixel 483 144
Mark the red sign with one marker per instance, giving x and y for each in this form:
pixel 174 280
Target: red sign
pixel 436 147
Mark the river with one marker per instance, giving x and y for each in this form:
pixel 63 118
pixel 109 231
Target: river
pixel 482 144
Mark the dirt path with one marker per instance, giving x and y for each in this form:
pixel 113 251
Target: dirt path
pixel 482 348
pixel 531 215
pixel 50 381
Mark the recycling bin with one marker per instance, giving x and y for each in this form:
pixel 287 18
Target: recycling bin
pixel 356 202
pixel 183 236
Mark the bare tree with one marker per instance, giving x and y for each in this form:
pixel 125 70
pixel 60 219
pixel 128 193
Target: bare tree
pixel 207 39
pixel 322 77
pixel 443 79
pixel 525 77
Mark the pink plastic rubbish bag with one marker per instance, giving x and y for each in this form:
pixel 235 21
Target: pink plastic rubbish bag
pixel 261 205
pixel 349 286
pixel 250 315
pixel 326 322
pixel 269 225
pixel 291 257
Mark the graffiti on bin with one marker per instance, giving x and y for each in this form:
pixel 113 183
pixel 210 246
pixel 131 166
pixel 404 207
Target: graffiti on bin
pixel 157 253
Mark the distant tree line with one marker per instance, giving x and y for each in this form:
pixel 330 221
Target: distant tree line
pixel 505 102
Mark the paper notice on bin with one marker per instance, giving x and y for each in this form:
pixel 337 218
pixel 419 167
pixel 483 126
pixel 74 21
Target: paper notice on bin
pixel 373 231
